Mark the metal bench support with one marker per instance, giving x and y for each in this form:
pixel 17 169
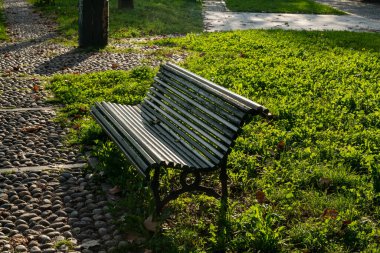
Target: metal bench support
pixel 193 187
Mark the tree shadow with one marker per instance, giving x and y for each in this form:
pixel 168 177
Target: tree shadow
pixel 10 47
pixel 64 61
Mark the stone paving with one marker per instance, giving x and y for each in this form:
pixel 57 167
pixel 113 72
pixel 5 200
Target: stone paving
pixel 53 211
pixel 218 18
pixel 21 93
pixel 47 203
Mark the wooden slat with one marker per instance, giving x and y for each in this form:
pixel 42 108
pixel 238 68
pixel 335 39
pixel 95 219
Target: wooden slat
pixel 201 107
pixel 152 145
pixel 168 158
pixel 181 127
pixel 131 154
pixel 216 89
pixel 165 75
pixel 191 126
pixel 126 134
pixel 170 154
pixel 206 85
pixel 135 133
pixel 171 139
pixel 185 113
pixel 175 129
pixel 217 109
pixel 219 127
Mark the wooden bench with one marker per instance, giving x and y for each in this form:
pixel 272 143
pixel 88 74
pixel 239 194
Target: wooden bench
pixel 184 122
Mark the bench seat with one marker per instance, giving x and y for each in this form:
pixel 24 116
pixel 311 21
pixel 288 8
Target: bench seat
pixel 146 143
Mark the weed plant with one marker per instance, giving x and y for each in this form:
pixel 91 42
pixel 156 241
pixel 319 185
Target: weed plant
pixel 306 181
pixel 281 6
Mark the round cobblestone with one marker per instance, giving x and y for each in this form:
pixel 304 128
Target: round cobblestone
pixel 42 230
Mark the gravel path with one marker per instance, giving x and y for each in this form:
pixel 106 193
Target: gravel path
pixel 32 52
pixel 31 138
pixel 52 211
pixel 21 93
pixel 44 209
pixel 26 24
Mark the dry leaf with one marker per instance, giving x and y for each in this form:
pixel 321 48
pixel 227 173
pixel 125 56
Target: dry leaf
pixel 31 129
pixel 281 146
pixel 115 65
pixel 260 196
pixel 325 182
pixel 134 238
pixel 345 224
pixel 115 190
pixel 150 225
pixel 36 88
pixel 330 213
pixel 18 240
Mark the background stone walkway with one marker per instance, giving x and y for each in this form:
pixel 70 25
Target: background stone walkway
pixel 355 7
pixel 363 18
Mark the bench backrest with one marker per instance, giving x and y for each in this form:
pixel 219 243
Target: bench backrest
pixel 205 116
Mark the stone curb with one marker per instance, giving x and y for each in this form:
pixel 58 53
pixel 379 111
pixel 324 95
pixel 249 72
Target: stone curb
pixel 27 109
pixel 42 168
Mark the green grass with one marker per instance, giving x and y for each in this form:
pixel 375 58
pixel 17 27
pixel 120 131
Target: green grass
pixel 317 161
pixel 3 32
pixel 149 17
pixel 281 6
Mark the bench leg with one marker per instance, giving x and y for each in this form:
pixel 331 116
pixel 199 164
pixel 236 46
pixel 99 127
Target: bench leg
pixel 192 187
pixel 155 185
pixel 222 222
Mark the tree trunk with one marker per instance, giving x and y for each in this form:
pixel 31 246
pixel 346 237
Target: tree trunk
pixel 127 4
pixel 93 23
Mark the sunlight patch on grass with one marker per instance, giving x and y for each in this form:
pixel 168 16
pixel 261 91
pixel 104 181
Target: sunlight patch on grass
pixel 281 6
pixel 148 18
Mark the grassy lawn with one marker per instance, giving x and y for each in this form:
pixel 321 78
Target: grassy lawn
pixel 3 34
pixel 306 181
pixel 281 6
pixel 149 17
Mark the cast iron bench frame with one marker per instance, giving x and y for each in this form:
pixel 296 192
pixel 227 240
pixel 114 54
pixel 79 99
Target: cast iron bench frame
pixel 185 122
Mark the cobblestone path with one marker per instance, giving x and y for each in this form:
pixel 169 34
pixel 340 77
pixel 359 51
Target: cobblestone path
pixel 47 203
